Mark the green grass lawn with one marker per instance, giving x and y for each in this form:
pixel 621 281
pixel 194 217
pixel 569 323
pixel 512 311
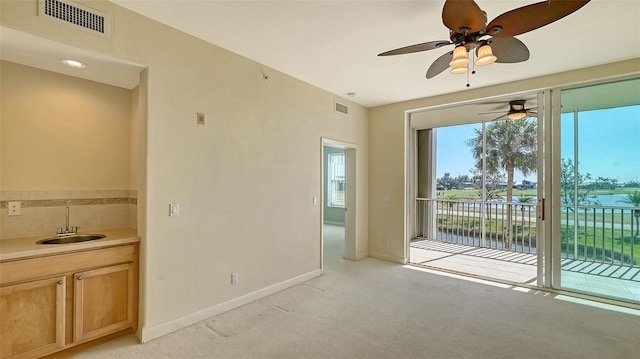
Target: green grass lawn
pixel 474 194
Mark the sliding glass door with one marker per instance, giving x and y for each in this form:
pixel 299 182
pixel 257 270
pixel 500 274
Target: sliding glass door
pixel 599 249
pixel 485 185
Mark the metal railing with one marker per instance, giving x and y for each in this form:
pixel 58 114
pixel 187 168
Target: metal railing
pixel 507 225
pixel 603 234
pixel 589 233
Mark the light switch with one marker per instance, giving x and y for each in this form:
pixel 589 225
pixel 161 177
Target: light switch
pixel 386 198
pixel 315 200
pixel 174 209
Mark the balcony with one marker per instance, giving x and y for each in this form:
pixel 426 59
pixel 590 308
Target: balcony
pixel 600 245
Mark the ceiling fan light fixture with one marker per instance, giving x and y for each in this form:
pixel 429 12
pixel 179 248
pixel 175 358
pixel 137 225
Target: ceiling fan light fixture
pixel 459 70
pixel 485 56
pixel 460 58
pixel 517 115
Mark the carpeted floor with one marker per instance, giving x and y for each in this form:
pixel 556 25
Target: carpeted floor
pixel 376 309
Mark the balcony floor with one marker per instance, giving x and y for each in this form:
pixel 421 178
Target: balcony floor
pixel 595 278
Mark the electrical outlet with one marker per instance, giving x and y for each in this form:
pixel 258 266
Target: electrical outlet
pixel 14 208
pixel 234 278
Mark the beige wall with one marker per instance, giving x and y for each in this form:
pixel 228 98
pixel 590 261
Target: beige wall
pixel 245 181
pixel 65 142
pixel 388 138
pixel 62 133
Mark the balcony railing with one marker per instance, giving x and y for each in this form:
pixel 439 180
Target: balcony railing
pixel 605 234
pixel 589 233
pixel 508 226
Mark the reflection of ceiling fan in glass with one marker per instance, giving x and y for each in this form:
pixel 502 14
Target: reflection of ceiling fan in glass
pixel 517 110
pixel 493 42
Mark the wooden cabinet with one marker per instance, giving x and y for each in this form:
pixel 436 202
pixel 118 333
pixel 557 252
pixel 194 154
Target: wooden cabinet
pixel 56 302
pixel 103 301
pixel 32 322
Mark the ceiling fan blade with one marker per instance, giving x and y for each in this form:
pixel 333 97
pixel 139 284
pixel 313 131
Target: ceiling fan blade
pixel 441 64
pixel 508 50
pixel 461 14
pixel 530 17
pixel 491 112
pixel 417 47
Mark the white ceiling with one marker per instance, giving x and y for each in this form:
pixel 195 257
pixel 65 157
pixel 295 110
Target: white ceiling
pixel 333 44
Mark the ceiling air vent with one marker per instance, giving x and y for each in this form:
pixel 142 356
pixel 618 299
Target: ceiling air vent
pixel 342 108
pixel 71 13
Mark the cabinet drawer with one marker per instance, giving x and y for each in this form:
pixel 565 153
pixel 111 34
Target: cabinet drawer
pixel 42 267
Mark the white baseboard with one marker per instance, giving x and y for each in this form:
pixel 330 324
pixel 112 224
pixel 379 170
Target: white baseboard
pixel 148 334
pixel 388 258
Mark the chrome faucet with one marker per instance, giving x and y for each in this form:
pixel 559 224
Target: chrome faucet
pixel 67 232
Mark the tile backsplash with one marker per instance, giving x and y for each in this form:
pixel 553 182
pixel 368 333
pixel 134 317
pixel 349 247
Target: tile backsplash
pixel 42 212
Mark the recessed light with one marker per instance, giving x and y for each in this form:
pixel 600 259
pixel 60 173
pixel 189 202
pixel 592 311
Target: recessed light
pixel 74 63
pixel 351 94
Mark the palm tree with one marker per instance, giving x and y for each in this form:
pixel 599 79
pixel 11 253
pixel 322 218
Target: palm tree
pixel 633 199
pixel 509 145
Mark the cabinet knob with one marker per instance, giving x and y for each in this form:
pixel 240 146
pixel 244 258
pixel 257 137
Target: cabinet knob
pixel 60 282
pixel 80 277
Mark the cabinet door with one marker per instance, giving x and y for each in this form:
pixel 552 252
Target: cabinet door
pixel 103 301
pixel 32 322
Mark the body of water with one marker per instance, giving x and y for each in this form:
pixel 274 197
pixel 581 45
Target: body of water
pixel 608 200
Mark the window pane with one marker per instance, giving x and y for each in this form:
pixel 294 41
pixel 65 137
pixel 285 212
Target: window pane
pixel 336 180
pixel 455 166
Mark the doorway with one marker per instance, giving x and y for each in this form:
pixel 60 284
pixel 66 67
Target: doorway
pixel 477 181
pixel 338 204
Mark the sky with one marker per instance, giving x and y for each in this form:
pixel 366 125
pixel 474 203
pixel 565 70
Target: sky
pixel 608 142
pixel 608 145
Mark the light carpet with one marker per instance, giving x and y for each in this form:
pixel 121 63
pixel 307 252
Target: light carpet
pixel 376 309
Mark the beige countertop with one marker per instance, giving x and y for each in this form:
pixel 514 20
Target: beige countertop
pixel 19 248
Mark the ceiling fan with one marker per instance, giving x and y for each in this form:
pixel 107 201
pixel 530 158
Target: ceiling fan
pixel 493 42
pixel 517 110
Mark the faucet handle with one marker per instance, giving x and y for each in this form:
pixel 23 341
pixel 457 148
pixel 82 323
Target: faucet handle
pixel 59 230
pixel 74 229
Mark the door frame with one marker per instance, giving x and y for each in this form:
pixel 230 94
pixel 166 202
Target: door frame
pixel 351 209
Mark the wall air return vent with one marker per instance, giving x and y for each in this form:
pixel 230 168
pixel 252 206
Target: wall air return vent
pixel 69 12
pixel 342 108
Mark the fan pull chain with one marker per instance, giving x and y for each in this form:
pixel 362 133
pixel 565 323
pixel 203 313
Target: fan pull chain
pixel 473 62
pixel 473 67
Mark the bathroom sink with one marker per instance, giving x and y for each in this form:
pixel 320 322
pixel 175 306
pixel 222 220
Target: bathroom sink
pixel 71 239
